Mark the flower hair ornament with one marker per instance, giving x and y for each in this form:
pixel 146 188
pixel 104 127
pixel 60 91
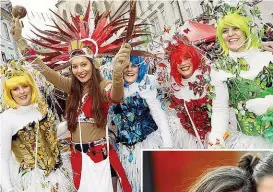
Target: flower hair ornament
pixel 24 71
pixel 93 38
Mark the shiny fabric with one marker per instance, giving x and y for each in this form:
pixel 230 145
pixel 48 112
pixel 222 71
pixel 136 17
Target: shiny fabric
pixel 23 146
pixel 133 120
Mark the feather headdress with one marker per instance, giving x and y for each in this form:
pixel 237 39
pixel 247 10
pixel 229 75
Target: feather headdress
pixel 93 38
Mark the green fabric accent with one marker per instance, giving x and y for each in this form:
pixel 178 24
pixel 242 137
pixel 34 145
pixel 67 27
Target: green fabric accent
pixel 241 90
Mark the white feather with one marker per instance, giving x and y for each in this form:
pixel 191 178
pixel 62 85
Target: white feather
pixel 91 26
pixel 114 37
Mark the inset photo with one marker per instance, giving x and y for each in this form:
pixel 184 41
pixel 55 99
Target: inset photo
pixel 207 171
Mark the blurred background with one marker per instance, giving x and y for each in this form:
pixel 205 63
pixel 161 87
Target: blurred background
pixel 176 171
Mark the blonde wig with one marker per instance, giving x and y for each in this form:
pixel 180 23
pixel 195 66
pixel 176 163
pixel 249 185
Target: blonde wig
pixel 23 79
pixel 236 20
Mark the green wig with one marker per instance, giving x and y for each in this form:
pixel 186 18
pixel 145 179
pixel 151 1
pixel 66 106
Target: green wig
pixel 243 23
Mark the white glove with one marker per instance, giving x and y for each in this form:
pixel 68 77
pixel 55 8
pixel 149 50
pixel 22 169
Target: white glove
pixel 259 106
pixel 216 141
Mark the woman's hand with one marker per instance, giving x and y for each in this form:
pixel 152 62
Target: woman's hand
pixel 268 46
pixel 216 141
pixel 122 58
pixel 16 29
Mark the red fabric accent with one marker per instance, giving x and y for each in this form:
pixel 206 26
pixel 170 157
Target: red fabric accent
pixel 198 32
pixel 199 113
pixel 108 96
pixel 88 105
pixel 76 163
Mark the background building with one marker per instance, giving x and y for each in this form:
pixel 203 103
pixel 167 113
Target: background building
pixel 8 46
pixel 156 12
pixel 267 10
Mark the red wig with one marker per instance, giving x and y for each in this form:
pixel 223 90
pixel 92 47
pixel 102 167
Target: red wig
pixel 177 54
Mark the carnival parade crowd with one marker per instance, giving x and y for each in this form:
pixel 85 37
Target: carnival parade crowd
pixel 123 96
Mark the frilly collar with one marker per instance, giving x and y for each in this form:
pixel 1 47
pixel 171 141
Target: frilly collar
pixel 245 54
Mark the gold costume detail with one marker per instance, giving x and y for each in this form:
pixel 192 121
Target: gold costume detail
pixel 24 143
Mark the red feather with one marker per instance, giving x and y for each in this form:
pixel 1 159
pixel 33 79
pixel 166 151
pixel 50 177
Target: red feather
pixel 104 35
pixel 71 27
pixel 99 29
pixel 70 35
pixel 62 66
pixel 46 39
pixel 132 20
pixel 63 48
pixel 48 53
pixel 75 20
pixel 49 58
pixel 142 53
pixel 86 16
pixel 60 58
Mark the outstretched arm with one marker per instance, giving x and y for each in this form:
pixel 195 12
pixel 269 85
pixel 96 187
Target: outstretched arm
pixel 52 76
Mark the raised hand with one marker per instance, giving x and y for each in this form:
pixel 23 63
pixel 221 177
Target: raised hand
pixel 268 46
pixel 16 29
pixel 122 58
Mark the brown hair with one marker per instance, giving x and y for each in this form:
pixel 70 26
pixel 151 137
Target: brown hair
pixel 264 168
pixel 228 178
pixel 75 96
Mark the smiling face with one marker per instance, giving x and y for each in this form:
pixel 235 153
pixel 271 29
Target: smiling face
pixel 185 68
pixel 82 68
pixel 234 38
pixel 21 94
pixel 130 74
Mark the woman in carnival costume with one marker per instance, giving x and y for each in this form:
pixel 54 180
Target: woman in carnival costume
pixel 89 94
pixel 243 79
pixel 30 156
pixel 188 99
pixel 139 119
pixel 190 94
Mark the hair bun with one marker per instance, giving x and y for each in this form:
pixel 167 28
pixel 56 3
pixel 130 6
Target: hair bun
pixel 248 163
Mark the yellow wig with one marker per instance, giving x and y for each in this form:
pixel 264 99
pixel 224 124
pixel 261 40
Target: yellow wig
pixel 236 20
pixel 23 79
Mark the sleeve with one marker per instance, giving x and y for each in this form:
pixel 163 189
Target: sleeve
pixel 220 110
pixel 260 106
pixel 117 90
pixel 59 81
pixel 5 152
pixel 157 113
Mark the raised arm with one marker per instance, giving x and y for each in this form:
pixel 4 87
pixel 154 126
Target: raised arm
pixel 157 113
pixel 120 62
pixel 52 76
pixel 220 110
pixel 59 81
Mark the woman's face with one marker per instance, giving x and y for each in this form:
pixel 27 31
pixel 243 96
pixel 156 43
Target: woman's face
pixel 82 68
pixel 234 38
pixel 130 74
pixel 265 185
pixel 21 94
pixel 185 68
